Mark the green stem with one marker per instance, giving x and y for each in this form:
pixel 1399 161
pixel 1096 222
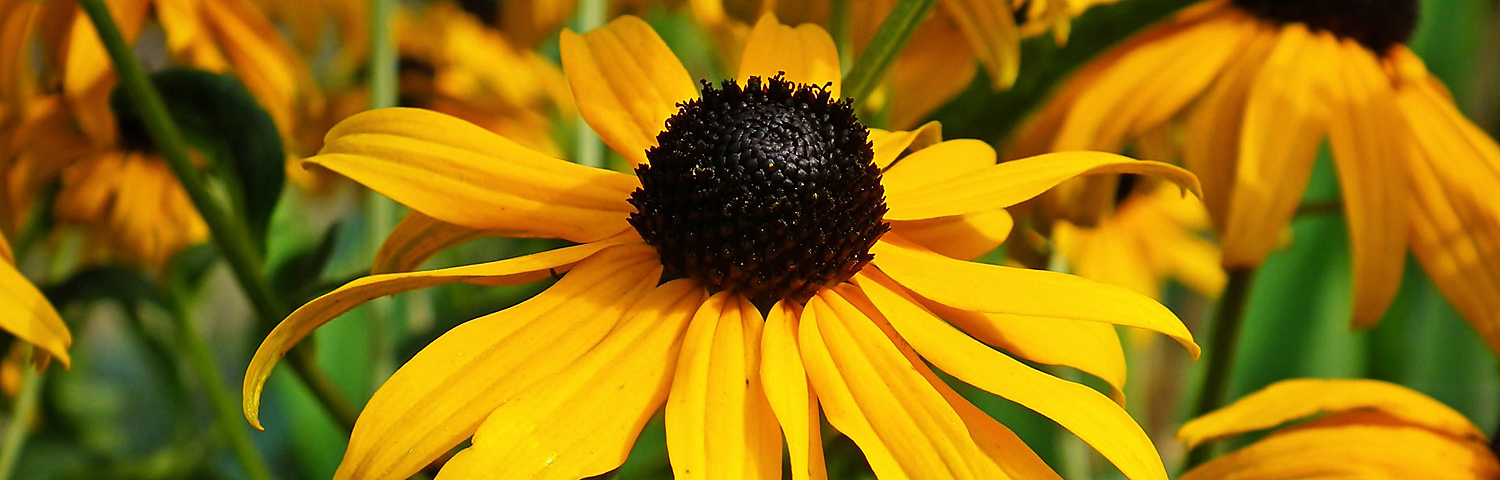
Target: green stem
pixel 1223 338
pixel 882 49
pixel 838 28
pixel 1324 207
pixel 382 212
pixel 230 236
pixel 588 149
pixel 20 419
pixel 226 409
pixel 383 69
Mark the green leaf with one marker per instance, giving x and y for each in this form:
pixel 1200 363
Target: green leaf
pixel 127 286
pixel 301 272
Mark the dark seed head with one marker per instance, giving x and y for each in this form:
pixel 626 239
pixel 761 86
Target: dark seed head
pixel 1376 24
pixel 768 190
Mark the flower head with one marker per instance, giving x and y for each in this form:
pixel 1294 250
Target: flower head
pixel 772 260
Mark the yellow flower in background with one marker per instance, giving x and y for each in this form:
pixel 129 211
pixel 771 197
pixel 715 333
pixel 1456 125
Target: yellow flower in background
pixel 1352 429
pixel 1258 86
pixel 771 260
pixel 27 314
pixel 308 22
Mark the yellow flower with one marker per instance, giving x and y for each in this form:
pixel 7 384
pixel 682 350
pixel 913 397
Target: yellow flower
pixel 28 316
pixel 767 263
pixel 1363 429
pixel 1258 86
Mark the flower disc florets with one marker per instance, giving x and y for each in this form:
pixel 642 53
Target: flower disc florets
pixel 1376 24
pixel 768 190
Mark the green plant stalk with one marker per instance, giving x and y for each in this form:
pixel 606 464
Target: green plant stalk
pixel 838 28
pixel 230 236
pixel 225 409
pixel 20 419
pixel 588 149
pixel 889 39
pixel 1223 338
pixel 382 212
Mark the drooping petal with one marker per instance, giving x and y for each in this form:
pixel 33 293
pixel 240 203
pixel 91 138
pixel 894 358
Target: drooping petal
pixel 441 396
pixel 1087 413
pixel 1211 145
pixel 462 174
pixel 1290 400
pixel 1353 451
pixel 964 237
pixel 1286 116
pixel 1039 294
pixel 991 31
pixel 719 424
pixel 314 314
pixel 27 314
pixel 415 239
pixel 805 53
pixel 582 421
pixel 626 83
pixel 790 394
pixel 889 145
pixel 1366 134
pixel 1012 182
pixel 874 394
pixel 936 65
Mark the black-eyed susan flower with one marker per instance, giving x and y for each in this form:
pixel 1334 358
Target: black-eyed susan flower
pixel 1345 429
pixel 1259 86
pixel 28 315
pixel 772 259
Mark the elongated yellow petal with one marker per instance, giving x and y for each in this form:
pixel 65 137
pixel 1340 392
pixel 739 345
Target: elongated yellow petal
pixel 889 145
pixel 719 424
pixel 626 83
pixel 991 30
pixel 1212 144
pixel 932 165
pixel 875 395
pixel 459 173
pixel 1353 451
pixel 1286 116
pixel 271 69
pixel 1087 413
pixel 936 65
pixel 415 239
pixel 27 315
pixel 964 237
pixel 582 421
pixel 790 394
pixel 1039 294
pixel 1290 400
pixel 1013 182
pixel 805 53
pixel 439 397
pixel 314 314
pixel 1366 133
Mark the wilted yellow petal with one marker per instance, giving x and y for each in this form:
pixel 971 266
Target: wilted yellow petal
pixel 1353 451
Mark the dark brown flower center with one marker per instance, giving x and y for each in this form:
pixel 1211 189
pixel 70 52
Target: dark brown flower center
pixel 1376 24
pixel 767 189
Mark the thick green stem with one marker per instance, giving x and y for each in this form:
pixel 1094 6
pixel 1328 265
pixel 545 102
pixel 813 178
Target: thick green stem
pixel 882 49
pixel 20 419
pixel 381 213
pixel 226 409
pixel 588 149
pixel 1223 339
pixel 230 235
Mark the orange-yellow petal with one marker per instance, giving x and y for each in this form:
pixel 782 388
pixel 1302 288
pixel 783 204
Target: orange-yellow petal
pixel 964 237
pixel 1212 142
pixel 441 396
pixel 805 53
pixel 28 315
pixel 1353 451
pixel 415 239
pixel 889 145
pixel 626 83
pixel 462 174
pixel 932 165
pixel 789 393
pixel 990 27
pixel 582 421
pixel 314 314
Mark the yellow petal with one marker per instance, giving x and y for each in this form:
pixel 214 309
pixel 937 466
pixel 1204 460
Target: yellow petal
pixel 1290 400
pixel 626 83
pixel 582 421
pixel 790 394
pixel 314 314
pixel 1212 142
pixel 990 27
pixel 88 75
pixel 1366 134
pixel 719 424
pixel 1012 182
pixel 415 239
pixel 936 65
pixel 875 395
pixel 262 58
pixel 6 255
pixel 440 397
pixel 964 237
pixel 1087 413
pixel 1040 294
pixel 889 145
pixel 28 316
pixel 932 165
pixel 1353 451
pixel 1286 116
pixel 462 174
pixel 806 53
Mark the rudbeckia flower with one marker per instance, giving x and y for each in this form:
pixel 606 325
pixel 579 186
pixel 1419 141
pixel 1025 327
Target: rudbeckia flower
pixel 1259 85
pixel 28 315
pixel 772 259
pixel 1352 429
